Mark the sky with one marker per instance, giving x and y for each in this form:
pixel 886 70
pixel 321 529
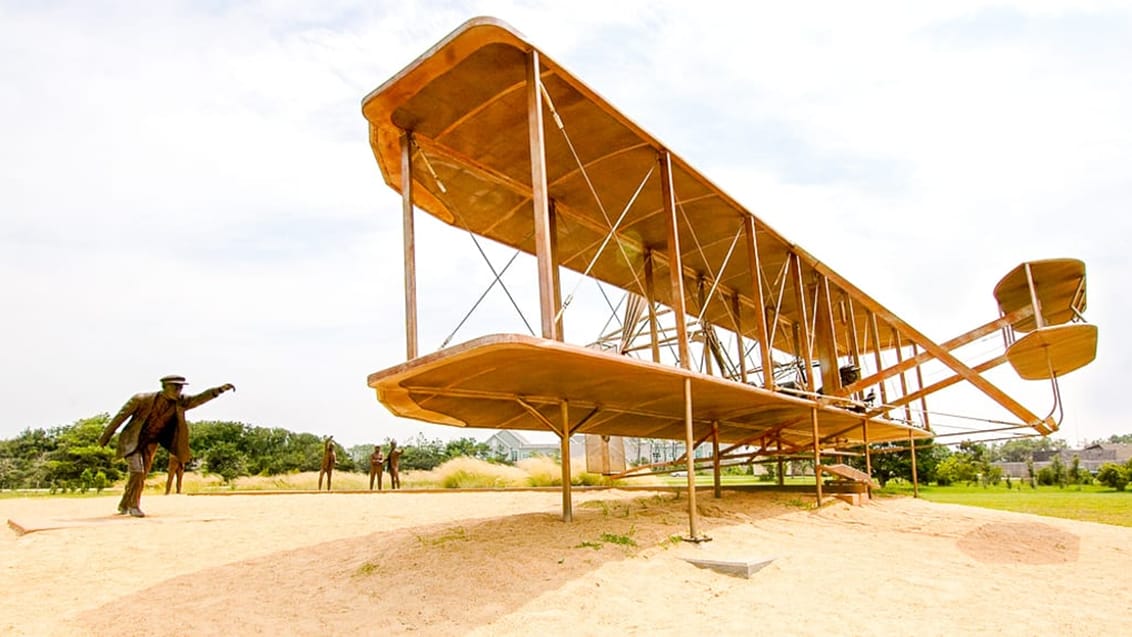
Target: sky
pixel 187 187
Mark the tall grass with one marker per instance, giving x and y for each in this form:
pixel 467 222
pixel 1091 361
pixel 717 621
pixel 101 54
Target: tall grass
pixel 545 472
pixel 470 473
pixel 458 473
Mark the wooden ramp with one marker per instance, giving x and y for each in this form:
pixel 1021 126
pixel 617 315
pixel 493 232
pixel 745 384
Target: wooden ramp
pixel 848 473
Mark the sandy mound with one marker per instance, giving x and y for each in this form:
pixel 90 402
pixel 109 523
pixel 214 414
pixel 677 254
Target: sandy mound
pixel 503 563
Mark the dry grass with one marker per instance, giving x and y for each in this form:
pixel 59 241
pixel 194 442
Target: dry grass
pixel 458 473
pixel 467 473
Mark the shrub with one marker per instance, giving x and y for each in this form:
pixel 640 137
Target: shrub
pixel 1046 477
pixel 225 460
pixel 100 481
pixel 466 473
pixel 1113 475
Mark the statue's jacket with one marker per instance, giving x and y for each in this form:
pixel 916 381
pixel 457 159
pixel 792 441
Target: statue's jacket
pixel 138 409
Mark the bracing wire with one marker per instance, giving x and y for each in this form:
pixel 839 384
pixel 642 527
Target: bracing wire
pixel 593 191
pixel 497 274
pixel 480 300
pixel 605 242
pixel 715 279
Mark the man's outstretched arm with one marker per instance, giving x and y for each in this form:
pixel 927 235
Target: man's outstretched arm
pixel 206 395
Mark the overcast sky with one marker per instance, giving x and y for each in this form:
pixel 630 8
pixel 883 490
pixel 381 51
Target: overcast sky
pixel 188 188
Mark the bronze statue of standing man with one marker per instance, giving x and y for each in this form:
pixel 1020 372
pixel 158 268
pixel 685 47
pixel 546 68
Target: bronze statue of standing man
pixel 154 419
pixel 176 470
pixel 329 459
pixel 394 461
pixel 376 459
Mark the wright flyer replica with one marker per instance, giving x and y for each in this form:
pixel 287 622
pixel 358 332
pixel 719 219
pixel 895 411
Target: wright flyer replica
pixel 731 335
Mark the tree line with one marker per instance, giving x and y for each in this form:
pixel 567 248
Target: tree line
pixel 68 457
pixel 974 463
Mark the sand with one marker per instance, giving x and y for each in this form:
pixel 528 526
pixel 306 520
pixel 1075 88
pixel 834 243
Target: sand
pixel 504 563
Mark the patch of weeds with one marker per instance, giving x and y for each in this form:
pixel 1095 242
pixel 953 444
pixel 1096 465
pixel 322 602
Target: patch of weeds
pixel 623 540
pixel 590 545
pixel 366 569
pixel 798 503
pixel 457 533
pixel 611 538
pixel 670 541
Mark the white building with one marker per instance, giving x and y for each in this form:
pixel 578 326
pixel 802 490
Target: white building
pixel 516 445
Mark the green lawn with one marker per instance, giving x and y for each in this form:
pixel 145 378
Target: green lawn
pixel 1090 503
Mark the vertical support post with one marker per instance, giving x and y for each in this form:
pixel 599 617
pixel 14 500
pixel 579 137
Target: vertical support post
pixel 868 454
pixel 762 333
pixel 907 411
pixel 540 200
pixel 409 240
pixel 854 339
pixel 825 338
pixel 781 464
pixel 817 453
pixel 567 497
pixel 651 292
pixel 899 347
pixel 874 331
pixel 1039 320
pixel 705 328
pixel 736 309
pixel 915 473
pixel 556 283
pixel 715 467
pixel 688 442
pixel 675 260
pixel 920 386
pixel 803 339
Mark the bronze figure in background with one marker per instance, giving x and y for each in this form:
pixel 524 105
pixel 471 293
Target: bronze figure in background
pixel 376 459
pixel 394 465
pixel 176 470
pixel 329 458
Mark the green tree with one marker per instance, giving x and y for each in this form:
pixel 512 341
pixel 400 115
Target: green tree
pixel 101 481
pixel 24 460
pixel 360 454
pixel 77 453
pixel 270 450
pixel 467 447
pixel 956 468
pixel 1023 449
pixel 894 460
pixel 1074 474
pixel 226 460
pixel 1057 468
pixel 422 454
pixel 1114 475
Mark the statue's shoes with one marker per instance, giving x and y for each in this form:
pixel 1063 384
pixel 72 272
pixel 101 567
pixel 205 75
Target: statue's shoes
pixel 136 512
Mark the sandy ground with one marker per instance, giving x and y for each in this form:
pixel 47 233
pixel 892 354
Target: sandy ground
pixel 504 563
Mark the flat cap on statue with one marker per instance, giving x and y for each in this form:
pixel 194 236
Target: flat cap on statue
pixel 176 380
